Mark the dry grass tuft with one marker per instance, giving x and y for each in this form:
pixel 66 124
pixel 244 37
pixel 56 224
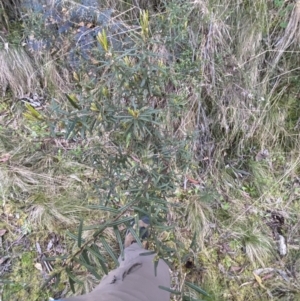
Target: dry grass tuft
pixel 18 72
pixel 23 74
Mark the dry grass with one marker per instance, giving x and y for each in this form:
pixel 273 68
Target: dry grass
pixel 18 73
pixel 23 75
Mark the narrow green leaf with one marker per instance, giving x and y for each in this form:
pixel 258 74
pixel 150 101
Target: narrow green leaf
pixel 124 208
pixel 109 250
pixel 146 120
pixel 124 117
pixel 83 121
pixel 143 128
pixel 93 271
pixel 91 127
pixel 95 251
pixel 73 101
pixel 197 289
pixel 72 279
pixel 120 221
pixel 91 227
pixel 164 228
pixel 140 210
pixel 168 249
pixel 101 229
pixel 169 290
pixel 147 253
pixel 103 208
pixel 188 298
pixel 84 256
pixel 119 239
pixel 56 276
pixel 80 233
pixel 88 267
pixel 55 258
pixel 70 129
pixel 73 236
pixel 136 237
pixel 71 275
pixel 57 280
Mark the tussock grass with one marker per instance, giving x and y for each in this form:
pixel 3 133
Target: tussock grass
pixel 18 73
pixel 23 75
pixel 258 246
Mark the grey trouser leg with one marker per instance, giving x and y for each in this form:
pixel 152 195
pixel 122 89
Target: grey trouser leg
pixel 133 280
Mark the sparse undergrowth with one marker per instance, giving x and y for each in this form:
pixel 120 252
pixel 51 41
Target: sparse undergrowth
pixel 197 125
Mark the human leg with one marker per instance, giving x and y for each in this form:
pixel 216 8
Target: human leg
pixel 136 278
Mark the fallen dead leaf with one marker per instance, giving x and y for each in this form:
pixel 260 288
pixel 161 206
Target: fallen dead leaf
pixel 2 232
